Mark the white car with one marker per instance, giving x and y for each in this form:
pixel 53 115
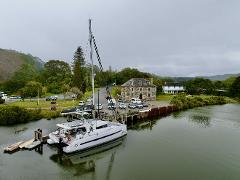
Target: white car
pixel 122 105
pixel 136 101
pixel 98 107
pixel 81 103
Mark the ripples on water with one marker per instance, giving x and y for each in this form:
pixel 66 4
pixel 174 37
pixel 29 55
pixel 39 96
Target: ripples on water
pixel 200 143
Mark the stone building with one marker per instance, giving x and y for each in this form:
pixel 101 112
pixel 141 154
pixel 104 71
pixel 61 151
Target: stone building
pixel 138 88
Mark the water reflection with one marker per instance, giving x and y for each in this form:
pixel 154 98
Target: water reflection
pixel 144 125
pixel 84 163
pixel 202 120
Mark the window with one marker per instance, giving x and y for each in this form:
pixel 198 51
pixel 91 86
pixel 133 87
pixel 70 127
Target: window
pixel 148 94
pixel 140 89
pixel 103 126
pixel 132 89
pixel 148 89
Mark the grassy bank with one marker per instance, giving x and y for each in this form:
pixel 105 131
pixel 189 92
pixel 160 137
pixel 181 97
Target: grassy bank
pixel 182 101
pixel 44 103
pixel 10 115
pixel 164 97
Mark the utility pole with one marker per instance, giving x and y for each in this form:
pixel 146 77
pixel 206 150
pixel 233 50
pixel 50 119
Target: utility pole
pixel 91 57
pixel 38 97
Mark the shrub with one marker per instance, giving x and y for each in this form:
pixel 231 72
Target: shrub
pixel 10 115
pixel 183 102
pixel 2 101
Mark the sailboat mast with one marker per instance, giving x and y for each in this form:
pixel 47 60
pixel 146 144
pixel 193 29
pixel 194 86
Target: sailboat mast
pixel 91 58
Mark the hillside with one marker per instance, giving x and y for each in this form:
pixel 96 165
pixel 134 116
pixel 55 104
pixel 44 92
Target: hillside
pixel 221 77
pixel 11 61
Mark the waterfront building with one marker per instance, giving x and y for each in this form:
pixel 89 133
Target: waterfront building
pixel 138 88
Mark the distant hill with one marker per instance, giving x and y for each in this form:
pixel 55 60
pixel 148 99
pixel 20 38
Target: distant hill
pixel 212 78
pixel 11 61
pixel 221 77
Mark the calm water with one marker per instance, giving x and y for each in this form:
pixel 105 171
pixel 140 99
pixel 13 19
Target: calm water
pixel 202 143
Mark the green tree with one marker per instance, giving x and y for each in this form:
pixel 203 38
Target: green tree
pixel 200 86
pixel 159 83
pixel 76 91
pixel 65 89
pixel 79 71
pixel 31 89
pixel 235 88
pixel 56 73
pixel 229 81
pixel 26 73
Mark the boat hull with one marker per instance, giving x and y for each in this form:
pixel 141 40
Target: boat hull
pixel 78 146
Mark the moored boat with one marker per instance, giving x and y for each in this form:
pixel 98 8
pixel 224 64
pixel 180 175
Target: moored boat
pixel 13 147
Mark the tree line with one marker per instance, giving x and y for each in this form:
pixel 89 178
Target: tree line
pixel 58 76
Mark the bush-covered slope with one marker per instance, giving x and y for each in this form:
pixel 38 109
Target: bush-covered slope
pixel 11 61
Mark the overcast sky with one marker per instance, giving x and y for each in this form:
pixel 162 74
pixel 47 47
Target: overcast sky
pixel 166 37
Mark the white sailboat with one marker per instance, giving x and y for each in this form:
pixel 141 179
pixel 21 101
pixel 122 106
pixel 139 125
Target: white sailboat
pixel 81 135
pixel 84 134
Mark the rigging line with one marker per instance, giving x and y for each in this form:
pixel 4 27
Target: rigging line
pixel 96 50
pixel 101 69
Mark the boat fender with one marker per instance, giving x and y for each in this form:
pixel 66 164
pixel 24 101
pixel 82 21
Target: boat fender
pixel 69 138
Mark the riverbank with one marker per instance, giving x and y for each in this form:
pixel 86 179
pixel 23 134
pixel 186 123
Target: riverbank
pixel 26 111
pixel 182 101
pixel 11 115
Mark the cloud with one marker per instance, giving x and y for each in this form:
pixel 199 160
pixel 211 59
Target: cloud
pixel 167 37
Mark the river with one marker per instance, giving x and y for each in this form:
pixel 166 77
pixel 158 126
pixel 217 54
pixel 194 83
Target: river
pixel 200 143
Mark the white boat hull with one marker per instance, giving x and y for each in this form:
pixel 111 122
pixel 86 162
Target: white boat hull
pixel 94 135
pixel 81 146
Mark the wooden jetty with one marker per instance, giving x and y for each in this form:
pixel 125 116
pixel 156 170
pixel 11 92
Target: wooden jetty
pixel 29 144
pixel 26 143
pixel 132 117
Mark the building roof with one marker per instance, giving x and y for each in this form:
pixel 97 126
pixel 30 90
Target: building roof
pixel 138 82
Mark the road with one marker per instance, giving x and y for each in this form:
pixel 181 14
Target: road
pixel 102 97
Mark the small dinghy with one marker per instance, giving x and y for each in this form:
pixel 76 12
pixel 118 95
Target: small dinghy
pixel 12 147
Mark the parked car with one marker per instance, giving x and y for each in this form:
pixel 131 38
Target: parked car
pixel 73 96
pixel 131 105
pixel 98 107
pixel 51 98
pixel 136 101
pixel 89 100
pixel 13 97
pixel 139 106
pixel 145 104
pixel 111 104
pixel 88 108
pixel 122 105
pixel 81 103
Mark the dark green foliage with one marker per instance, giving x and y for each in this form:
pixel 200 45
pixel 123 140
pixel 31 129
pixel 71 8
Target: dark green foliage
pixel 128 73
pixel 56 73
pixel 235 88
pixel 26 73
pixel 10 115
pixel 31 89
pixel 199 86
pixel 2 101
pixel 79 71
pixel 185 102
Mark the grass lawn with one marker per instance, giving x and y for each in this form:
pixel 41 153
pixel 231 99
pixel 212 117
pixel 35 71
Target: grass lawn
pixel 164 97
pixel 44 103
